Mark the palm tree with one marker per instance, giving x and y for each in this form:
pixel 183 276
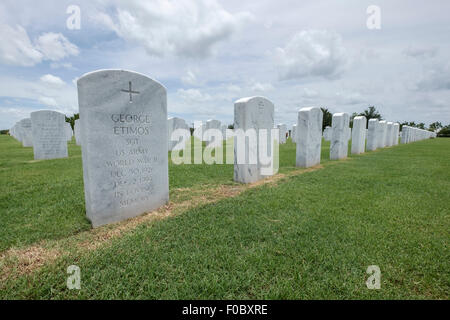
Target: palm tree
pixel 327 117
pixel 371 113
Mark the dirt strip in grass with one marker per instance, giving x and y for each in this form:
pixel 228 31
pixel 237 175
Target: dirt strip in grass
pixel 16 262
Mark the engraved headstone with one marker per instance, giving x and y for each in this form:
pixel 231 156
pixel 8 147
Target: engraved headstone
pixel 123 115
pixel 49 134
pixel 253 116
pixel 339 137
pixel 359 134
pixel 309 141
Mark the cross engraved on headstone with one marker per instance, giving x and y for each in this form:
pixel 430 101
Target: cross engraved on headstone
pixel 130 91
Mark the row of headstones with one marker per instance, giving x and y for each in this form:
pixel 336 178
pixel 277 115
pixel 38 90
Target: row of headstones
pixel 46 131
pixel 125 141
pixel 411 134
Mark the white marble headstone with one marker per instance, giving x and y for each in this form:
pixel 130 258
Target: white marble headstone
pixel 212 130
pixel 282 133
pixel 124 144
pixel 294 133
pixel 372 135
pixel 253 114
pixel 26 132
pixel 77 131
pixel 359 135
pixel 339 137
pixel 180 129
pixel 309 141
pixel 382 134
pixel 49 134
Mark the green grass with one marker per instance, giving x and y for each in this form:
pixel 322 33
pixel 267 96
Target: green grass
pixel 309 236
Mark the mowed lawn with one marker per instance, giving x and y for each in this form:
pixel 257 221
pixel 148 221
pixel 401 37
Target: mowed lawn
pixel 306 236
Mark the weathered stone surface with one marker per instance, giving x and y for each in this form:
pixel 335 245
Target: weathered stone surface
pixel 327 133
pixel 309 141
pixel 339 137
pixel 372 135
pixel 359 135
pixel 124 144
pixel 49 134
pixel 253 114
pixel 26 135
pixel 77 131
pixel 177 133
pixel 282 133
pixel 382 125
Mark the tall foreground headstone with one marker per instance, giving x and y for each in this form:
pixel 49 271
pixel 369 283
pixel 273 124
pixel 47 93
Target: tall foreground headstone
pixel 26 133
pixel 309 141
pixel 124 144
pixel 359 135
pixel 339 136
pixel 49 135
pixel 254 117
pixel 372 135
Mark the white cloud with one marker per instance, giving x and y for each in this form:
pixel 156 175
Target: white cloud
pixel 193 95
pixel 55 46
pixel 180 28
pixel 312 53
pixel 435 78
pixel 420 52
pixel 52 80
pixel 189 78
pixel 258 86
pixel 17 48
pixel 48 101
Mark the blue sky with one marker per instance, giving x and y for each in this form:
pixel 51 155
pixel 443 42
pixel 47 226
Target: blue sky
pixel 210 53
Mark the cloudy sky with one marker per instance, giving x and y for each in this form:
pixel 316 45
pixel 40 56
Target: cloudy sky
pixel 208 54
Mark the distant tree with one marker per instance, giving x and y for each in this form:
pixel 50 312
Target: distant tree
pixel 327 117
pixel 371 113
pixel 231 126
pixel 435 126
pixel 72 119
pixel 444 132
pixel 354 114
